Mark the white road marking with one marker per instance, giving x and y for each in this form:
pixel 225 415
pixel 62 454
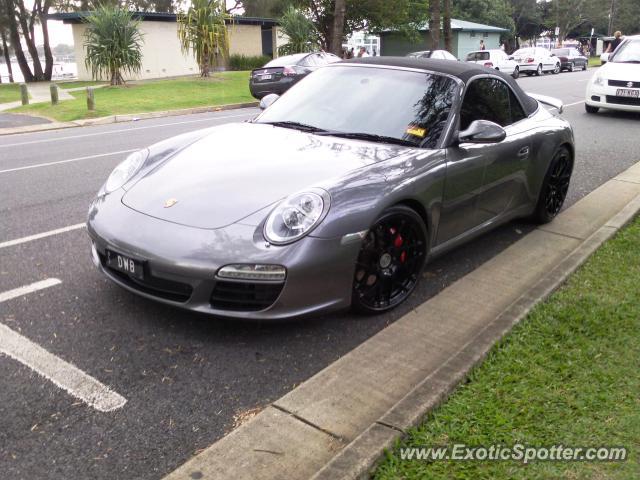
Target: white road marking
pixel 34 287
pixel 38 236
pixel 574 103
pixel 48 164
pixel 63 374
pixel 108 132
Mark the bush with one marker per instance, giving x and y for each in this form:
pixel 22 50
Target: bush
pixel 243 62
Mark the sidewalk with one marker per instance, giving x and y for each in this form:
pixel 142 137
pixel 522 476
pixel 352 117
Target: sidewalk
pixel 337 424
pixel 39 92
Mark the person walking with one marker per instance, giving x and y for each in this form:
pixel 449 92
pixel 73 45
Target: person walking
pixel 616 41
pixel 482 46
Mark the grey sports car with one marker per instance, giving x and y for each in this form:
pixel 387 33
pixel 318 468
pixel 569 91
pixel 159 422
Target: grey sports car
pixel 336 194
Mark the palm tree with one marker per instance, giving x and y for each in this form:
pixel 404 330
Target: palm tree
pixel 114 44
pixel 302 33
pixel 203 29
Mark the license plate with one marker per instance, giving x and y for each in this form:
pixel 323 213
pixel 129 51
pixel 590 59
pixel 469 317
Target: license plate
pixel 623 92
pixel 124 264
pixel 266 77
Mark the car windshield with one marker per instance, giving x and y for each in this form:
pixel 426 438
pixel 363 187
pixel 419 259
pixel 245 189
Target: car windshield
pixel 381 104
pixel 628 52
pixel 561 52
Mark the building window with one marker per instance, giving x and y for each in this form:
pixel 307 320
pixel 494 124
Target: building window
pixel 472 34
pixel 485 34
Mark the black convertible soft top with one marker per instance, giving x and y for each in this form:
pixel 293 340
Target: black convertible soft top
pixel 462 70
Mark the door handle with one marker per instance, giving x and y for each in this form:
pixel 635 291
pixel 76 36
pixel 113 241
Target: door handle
pixel 524 152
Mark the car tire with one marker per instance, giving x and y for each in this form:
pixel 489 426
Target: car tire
pixel 555 185
pixel 516 72
pixel 591 109
pixel 572 67
pixel 557 69
pixel 585 66
pixel 390 261
pixel 539 70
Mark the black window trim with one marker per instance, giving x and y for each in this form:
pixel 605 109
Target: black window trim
pixel 494 77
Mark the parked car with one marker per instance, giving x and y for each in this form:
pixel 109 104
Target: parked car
pixel 616 85
pixel 281 73
pixel 495 59
pixel 435 54
pixel 571 59
pixel 535 60
pixel 336 195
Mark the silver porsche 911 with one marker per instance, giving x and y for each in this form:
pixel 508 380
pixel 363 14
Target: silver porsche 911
pixel 336 194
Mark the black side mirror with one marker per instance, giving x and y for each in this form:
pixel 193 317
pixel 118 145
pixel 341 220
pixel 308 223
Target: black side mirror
pixel 268 100
pixel 482 131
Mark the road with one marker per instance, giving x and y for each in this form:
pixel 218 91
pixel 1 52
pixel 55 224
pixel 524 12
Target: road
pixel 187 379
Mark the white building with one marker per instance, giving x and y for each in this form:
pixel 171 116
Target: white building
pixel 161 52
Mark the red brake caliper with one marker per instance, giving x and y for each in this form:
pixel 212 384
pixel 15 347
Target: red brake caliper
pixel 398 242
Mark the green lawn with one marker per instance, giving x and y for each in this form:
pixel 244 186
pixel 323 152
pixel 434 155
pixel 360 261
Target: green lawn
pixel 569 374
pixel 594 61
pixel 220 89
pixel 77 84
pixel 9 92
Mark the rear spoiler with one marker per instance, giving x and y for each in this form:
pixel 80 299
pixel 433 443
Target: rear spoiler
pixel 552 102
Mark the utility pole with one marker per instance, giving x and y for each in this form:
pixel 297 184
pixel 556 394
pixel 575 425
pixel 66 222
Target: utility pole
pixel 612 12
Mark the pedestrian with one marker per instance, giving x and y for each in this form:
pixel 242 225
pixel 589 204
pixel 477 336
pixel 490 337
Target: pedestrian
pixel 616 41
pixel 363 53
pixel 482 47
pixel 351 53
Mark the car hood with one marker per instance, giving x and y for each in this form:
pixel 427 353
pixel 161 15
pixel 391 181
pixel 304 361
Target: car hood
pixel 620 71
pixel 237 169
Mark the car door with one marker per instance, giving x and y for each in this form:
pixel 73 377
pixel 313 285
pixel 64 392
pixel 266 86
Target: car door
pixel 504 180
pixel 476 173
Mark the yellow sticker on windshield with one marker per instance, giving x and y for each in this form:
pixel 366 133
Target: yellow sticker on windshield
pixel 417 132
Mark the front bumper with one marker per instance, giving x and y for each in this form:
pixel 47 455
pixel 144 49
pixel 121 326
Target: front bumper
pixel 181 264
pixel 604 96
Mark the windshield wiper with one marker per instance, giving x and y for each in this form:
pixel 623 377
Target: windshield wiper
pixel 370 137
pixel 295 126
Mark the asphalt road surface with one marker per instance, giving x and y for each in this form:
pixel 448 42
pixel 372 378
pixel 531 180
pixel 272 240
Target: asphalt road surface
pixel 187 379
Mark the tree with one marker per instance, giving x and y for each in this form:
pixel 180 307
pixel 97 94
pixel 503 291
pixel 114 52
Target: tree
pixel 434 24
pixel 302 34
pixel 114 44
pixel 372 15
pixel 4 29
pixel 337 32
pixel 446 26
pixel 203 30
pixel 568 15
pixel 21 22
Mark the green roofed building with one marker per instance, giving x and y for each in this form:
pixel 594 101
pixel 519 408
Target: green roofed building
pixel 466 38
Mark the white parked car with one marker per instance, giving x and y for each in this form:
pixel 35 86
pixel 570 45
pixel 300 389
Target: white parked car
pixel 535 60
pixel 495 59
pixel 616 85
pixel 437 54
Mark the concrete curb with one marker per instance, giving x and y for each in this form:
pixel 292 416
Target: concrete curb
pixel 130 117
pixel 337 424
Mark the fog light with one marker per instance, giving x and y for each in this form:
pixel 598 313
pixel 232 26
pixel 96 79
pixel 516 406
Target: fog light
pixel 253 272
pixel 94 255
pixel 595 98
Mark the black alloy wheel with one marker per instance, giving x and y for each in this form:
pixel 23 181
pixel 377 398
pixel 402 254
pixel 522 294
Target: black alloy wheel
pixel 516 72
pixel 390 261
pixel 555 187
pixel 539 70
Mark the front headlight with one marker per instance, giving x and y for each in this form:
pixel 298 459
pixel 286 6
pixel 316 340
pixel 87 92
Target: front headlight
pixel 598 80
pixel 127 169
pixel 296 216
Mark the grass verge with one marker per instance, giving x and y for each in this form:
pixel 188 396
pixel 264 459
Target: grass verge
pixel 568 374
pixel 9 92
pixel 78 84
pixel 594 62
pixel 152 96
